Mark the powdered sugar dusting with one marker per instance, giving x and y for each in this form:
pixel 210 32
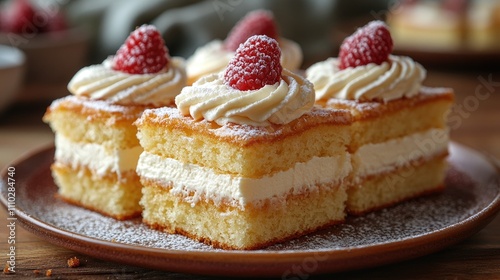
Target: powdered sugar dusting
pixel 99 105
pixel 143 52
pixel 249 133
pixel 461 200
pixel 370 44
pixel 358 106
pixel 255 64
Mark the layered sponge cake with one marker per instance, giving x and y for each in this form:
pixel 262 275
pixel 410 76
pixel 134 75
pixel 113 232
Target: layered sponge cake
pixel 398 149
pixel 96 144
pixel 245 161
pixel 399 135
pixel 96 155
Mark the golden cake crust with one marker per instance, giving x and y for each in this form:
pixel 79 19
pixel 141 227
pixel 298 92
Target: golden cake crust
pixel 84 120
pixel 242 135
pixel 376 122
pixel 370 110
pixel 96 110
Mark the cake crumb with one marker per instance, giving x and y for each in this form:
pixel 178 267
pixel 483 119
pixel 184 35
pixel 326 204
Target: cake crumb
pixel 6 269
pixel 73 262
pixel 48 273
pixel 36 272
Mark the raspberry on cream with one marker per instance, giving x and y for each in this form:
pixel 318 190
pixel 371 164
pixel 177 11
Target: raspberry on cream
pixel 214 56
pixel 399 77
pixel 140 73
pixel 365 70
pixel 101 82
pixel 254 89
pixel 211 99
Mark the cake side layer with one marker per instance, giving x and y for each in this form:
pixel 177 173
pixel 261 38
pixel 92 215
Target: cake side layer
pixel 231 228
pixel 379 122
pixel 387 189
pixel 204 184
pixel 371 110
pixel 243 150
pixel 117 198
pixel 386 156
pixel 99 159
pixel 94 121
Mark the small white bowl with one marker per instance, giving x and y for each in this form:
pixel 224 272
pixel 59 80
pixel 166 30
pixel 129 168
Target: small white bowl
pixel 12 66
pixel 51 57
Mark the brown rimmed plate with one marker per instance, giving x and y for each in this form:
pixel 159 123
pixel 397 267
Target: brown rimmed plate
pixel 409 230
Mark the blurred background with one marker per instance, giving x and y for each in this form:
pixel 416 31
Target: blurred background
pixel 188 24
pixel 457 41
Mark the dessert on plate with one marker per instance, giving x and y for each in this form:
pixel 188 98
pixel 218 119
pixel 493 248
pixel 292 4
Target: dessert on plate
pixel 215 55
pixel 245 160
pixel 399 136
pixel 447 24
pixel 96 144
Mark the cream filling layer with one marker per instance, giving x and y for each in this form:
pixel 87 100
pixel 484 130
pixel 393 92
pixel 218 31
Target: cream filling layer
pixel 195 182
pixel 99 159
pixel 384 157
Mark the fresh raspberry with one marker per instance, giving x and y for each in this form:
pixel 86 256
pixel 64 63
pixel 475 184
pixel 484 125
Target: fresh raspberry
pixel 255 64
pixel 143 52
pixel 22 17
pixel 370 44
pixel 259 22
pixel 19 18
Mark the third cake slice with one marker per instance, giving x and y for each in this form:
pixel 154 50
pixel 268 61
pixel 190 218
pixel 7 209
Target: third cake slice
pixel 245 161
pixel 96 144
pixel 399 135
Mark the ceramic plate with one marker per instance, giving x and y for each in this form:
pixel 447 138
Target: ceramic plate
pixel 409 230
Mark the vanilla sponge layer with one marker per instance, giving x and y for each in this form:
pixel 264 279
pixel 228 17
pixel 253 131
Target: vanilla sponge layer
pixel 243 150
pixel 238 191
pixel 376 122
pixel 252 228
pixel 94 121
pixel 109 195
pixel 403 183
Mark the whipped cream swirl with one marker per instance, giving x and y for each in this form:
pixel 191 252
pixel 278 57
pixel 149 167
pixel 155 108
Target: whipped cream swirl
pixel 211 99
pixel 103 83
pixel 396 78
pixel 213 58
pixel 207 59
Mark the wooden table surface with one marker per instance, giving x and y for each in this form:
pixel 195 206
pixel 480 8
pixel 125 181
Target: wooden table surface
pixel 476 124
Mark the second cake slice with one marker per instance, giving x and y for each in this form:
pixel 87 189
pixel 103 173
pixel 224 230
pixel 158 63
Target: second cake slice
pixel 243 169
